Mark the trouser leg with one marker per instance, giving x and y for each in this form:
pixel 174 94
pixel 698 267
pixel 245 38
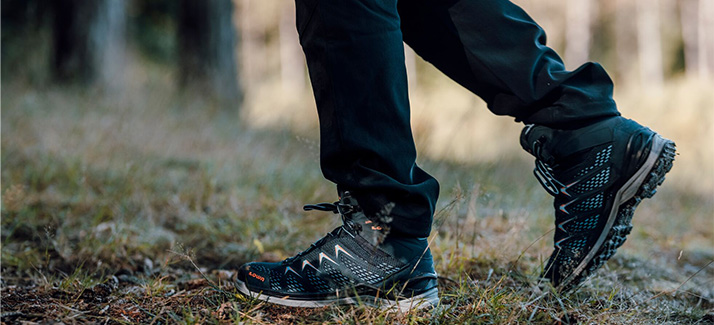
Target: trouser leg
pixel 491 47
pixel 355 57
pixel 494 49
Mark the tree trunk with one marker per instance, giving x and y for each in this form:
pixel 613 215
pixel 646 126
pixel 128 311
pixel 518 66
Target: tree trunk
pixel 89 41
pixel 625 40
pixel 706 38
pixel 292 66
pixel 253 47
pixel 207 41
pixel 650 44
pixel 577 33
pixel 411 64
pixel 689 18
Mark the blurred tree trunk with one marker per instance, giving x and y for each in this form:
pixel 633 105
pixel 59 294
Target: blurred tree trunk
pixel 253 49
pixel 411 64
pixel 207 41
pixel 577 32
pixel 649 43
pixel 292 66
pixel 625 40
pixel 706 38
pixel 89 41
pixel 689 18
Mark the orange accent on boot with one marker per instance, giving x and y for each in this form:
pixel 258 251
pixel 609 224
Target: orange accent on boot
pixel 262 279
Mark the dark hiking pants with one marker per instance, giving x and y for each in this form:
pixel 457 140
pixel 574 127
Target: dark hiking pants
pixel 355 57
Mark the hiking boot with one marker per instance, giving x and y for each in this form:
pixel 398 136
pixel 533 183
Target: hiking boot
pixel 358 262
pixel 598 175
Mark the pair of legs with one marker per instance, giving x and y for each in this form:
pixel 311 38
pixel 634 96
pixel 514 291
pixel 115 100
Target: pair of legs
pixel 596 164
pixel 355 56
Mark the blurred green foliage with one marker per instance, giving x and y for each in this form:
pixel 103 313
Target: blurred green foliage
pixel 152 28
pixel 27 35
pixel 24 34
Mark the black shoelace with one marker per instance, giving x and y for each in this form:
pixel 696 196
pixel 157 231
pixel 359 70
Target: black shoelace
pixel 544 172
pixel 338 208
pixel 317 244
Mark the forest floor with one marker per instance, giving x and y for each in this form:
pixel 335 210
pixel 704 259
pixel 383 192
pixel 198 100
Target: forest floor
pixel 135 211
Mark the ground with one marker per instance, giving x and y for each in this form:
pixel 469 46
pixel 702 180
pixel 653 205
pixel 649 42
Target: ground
pixel 137 209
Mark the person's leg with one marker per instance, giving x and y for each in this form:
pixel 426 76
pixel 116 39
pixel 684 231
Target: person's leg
pixel 494 49
pixel 380 254
pixel 355 57
pixel 596 164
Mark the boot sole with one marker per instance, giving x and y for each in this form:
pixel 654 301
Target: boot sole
pixel 643 184
pixel 428 299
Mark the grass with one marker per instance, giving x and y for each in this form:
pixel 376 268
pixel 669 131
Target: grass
pixel 139 208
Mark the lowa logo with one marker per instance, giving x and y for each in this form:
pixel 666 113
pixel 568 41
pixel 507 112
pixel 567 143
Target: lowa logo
pixel 262 279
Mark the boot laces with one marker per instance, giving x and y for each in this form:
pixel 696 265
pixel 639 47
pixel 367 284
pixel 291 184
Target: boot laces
pixel 336 208
pixel 544 173
pixel 343 209
pixel 317 244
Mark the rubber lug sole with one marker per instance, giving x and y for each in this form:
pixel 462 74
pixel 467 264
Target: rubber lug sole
pixel 428 299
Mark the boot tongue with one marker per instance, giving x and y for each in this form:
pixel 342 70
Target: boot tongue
pixel 358 224
pixel 534 139
pixel 376 233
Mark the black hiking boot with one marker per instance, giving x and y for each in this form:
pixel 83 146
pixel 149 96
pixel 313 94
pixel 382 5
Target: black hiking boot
pixel 357 262
pixel 598 175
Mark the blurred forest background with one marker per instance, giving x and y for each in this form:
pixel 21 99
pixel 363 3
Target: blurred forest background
pixel 243 56
pixel 149 147
pixel 643 42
